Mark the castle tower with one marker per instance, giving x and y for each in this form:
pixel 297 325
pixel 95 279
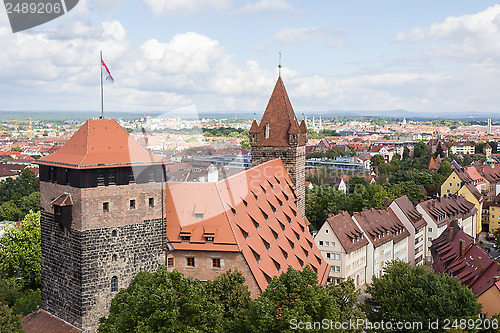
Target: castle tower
pixel 101 196
pixel 279 135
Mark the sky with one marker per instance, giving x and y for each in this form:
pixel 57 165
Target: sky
pixel 223 55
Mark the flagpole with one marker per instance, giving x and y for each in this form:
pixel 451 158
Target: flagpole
pixel 102 98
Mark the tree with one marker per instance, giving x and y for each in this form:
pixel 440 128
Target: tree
pixel 9 322
pixel 376 160
pixel 296 296
pixel 245 144
pixel 163 302
pixel 21 252
pixel 16 149
pixel 229 291
pixel 418 294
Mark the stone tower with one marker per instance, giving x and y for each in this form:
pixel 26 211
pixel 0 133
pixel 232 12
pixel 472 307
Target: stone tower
pixel 101 196
pixel 279 135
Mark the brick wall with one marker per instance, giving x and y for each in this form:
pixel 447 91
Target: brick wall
pixel 88 210
pixel 294 160
pixel 203 269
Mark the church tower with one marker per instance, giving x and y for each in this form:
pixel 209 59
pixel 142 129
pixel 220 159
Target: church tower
pixel 101 196
pixel 279 135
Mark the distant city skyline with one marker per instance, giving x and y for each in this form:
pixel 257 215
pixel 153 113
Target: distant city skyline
pixel 222 55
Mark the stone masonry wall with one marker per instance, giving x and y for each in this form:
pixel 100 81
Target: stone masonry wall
pixel 136 247
pixel 61 271
pixel 78 264
pixel 203 269
pixel 294 160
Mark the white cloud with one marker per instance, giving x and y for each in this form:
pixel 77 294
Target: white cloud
pixel 468 37
pixel 185 7
pixel 303 35
pixel 265 6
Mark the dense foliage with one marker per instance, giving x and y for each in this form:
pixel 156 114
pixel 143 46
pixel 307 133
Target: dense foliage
pixel 170 302
pixel 418 294
pixel 9 322
pixel 20 267
pixel 19 196
pixel 226 132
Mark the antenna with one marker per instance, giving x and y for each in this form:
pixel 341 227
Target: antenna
pixel 279 64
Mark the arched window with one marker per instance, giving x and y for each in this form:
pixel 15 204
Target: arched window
pixel 113 233
pixel 267 131
pixel 114 284
pixel 113 258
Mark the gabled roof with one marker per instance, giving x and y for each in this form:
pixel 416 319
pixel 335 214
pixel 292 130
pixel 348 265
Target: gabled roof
pixel 63 200
pixel 444 209
pixel 349 235
pixel 252 212
pixel 410 212
pixel 100 143
pixel 381 226
pixel 474 267
pixel 280 117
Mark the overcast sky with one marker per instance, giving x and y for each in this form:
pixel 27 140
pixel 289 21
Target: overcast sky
pixel 222 55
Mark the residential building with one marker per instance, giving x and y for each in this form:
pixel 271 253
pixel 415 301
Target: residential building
pixel 416 226
pixel 455 253
pixel 438 213
pixel 387 237
pixel 462 148
pixel 343 246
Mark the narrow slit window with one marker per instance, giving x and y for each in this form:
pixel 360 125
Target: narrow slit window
pixel 114 284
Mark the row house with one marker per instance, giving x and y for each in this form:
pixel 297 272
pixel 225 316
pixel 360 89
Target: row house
pixel 469 183
pixel 438 213
pixel 416 226
pixel 455 253
pixel 387 236
pixel 462 148
pixel 343 246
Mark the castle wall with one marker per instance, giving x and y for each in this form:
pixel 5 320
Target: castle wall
pixel 204 270
pixel 78 263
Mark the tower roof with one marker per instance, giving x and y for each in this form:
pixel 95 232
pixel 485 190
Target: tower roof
pixel 280 117
pixel 100 143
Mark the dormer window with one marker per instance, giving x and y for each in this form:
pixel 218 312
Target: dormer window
pixel 267 131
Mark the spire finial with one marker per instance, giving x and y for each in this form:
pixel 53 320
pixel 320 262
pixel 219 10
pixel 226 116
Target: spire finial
pixel 279 64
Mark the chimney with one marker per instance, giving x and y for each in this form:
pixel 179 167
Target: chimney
pixel 386 202
pixel 461 248
pixel 479 264
pixel 451 233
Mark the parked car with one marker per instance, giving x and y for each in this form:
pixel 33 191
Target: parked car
pixel 490 238
pixel 487 249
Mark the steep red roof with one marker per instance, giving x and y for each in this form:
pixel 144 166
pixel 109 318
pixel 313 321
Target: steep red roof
pixel 253 212
pixel 347 232
pixel 381 226
pixel 455 253
pixel 433 164
pixel 443 210
pixel 410 212
pixel 100 143
pixel 280 117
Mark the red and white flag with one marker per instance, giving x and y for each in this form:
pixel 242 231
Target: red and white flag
pixel 106 74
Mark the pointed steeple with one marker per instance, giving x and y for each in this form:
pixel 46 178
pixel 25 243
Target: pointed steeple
pixel 254 128
pixel 279 119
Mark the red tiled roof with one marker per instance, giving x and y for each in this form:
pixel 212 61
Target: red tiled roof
pixel 100 143
pixel 381 226
pixel 280 117
pixel 347 232
pixel 477 274
pixel 43 322
pixel 444 209
pixel 433 164
pixel 410 212
pixel 253 212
